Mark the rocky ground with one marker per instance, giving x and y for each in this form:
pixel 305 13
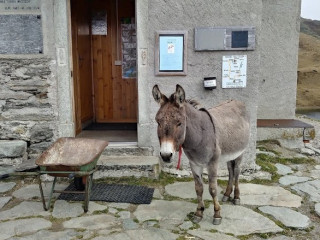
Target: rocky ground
pixel 283 206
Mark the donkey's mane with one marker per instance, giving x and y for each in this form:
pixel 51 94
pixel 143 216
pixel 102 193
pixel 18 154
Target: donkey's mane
pixel 194 103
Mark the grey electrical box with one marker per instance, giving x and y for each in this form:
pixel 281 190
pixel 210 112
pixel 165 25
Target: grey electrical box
pixel 224 38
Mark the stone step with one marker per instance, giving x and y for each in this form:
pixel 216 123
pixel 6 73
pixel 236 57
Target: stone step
pixel 127 150
pixel 127 166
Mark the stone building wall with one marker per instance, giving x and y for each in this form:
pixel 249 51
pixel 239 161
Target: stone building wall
pixel 28 119
pixel 36 100
pixel 279 59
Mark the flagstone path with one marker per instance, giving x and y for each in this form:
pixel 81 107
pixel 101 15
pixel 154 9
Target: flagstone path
pixel 286 210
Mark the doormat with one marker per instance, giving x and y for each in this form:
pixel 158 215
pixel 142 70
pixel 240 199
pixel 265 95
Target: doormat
pixel 112 193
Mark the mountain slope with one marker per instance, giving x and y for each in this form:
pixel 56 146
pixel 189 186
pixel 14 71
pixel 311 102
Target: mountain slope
pixel 308 88
pixel 310 27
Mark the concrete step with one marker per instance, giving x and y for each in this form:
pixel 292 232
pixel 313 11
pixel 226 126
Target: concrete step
pixel 127 166
pixel 126 150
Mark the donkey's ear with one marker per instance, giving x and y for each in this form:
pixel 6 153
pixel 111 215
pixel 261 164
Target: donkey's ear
pixel 158 96
pixel 179 95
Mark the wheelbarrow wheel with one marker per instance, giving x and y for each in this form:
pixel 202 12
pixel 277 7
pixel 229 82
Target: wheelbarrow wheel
pixel 78 182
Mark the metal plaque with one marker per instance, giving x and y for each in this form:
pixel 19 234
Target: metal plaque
pixel 224 38
pixel 21 34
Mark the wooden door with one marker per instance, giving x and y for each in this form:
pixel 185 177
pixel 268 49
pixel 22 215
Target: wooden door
pixel 82 62
pixel 115 96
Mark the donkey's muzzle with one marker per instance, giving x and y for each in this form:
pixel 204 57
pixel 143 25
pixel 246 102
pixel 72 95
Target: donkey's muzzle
pixel 166 157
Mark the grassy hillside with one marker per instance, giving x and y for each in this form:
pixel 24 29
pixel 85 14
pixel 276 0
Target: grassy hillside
pixel 308 89
pixel 310 27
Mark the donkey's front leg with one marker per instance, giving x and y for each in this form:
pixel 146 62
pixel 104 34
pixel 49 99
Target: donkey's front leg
pixel 213 189
pixel 197 175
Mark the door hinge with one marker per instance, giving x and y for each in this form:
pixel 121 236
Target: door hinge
pixel 71 73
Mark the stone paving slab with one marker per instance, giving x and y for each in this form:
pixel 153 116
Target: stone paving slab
pixel 6 186
pixel 307 151
pixel 157 194
pixel 4 201
pixel 24 209
pixel 283 169
pixel 129 224
pixel 317 209
pixel 93 207
pixel 260 195
pixel 32 191
pixel 238 220
pixel 286 216
pixel 141 234
pixel 209 235
pixel 50 235
pixel 291 179
pixel 186 225
pixel 281 238
pixel 22 226
pixel 311 188
pixel 124 214
pixel 315 174
pixel 64 209
pixel 186 190
pixel 170 211
pixel 119 205
pixel 101 221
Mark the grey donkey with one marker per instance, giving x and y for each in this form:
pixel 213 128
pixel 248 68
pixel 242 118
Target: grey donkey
pixel 208 137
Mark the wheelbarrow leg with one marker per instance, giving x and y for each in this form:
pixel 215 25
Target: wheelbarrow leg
pixel 87 192
pixel 41 193
pixel 51 193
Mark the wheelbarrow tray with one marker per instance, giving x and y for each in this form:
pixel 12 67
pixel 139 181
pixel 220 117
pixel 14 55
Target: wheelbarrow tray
pixel 71 155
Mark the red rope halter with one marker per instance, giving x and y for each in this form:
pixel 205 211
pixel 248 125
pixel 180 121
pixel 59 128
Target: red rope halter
pixel 179 159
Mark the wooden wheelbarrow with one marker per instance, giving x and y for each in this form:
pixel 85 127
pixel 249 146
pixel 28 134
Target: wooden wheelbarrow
pixel 71 157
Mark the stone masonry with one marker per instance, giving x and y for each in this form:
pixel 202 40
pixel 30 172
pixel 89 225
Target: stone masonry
pixel 27 109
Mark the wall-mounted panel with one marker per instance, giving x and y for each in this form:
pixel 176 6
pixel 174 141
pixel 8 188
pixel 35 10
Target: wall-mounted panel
pixel 224 38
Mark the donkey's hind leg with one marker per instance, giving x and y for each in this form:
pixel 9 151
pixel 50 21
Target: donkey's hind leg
pixel 213 189
pixel 229 189
pixel 236 170
pixel 197 175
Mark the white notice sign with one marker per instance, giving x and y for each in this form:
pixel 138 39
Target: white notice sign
pixel 234 71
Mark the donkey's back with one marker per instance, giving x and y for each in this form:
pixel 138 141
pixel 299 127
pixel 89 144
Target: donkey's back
pixel 231 121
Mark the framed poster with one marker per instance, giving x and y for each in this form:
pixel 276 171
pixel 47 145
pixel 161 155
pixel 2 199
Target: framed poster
pixel 171 53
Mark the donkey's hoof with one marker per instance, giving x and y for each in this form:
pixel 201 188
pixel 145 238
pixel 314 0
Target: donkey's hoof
pixel 236 201
pixel 225 198
pixel 217 221
pixel 196 219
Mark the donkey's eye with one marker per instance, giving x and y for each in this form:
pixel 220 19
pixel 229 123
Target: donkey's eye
pixel 179 124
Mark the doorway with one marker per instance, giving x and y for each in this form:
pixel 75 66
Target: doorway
pixel 104 67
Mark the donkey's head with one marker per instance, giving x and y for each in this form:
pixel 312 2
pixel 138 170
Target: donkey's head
pixel 171 119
